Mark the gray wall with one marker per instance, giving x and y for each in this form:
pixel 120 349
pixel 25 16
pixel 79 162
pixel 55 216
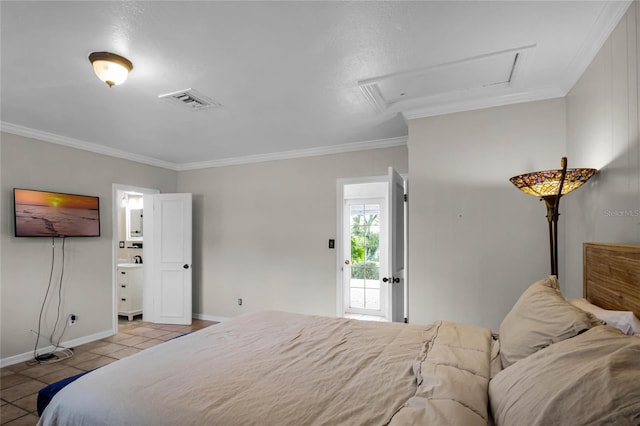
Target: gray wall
pixel 26 262
pixel 261 231
pixel 602 132
pixel 476 241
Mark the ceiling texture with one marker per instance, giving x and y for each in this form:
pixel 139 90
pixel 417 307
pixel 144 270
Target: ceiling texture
pixel 285 79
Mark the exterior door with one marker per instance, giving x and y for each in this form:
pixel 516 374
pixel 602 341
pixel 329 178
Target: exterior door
pixel 395 278
pixel 365 243
pixel 167 240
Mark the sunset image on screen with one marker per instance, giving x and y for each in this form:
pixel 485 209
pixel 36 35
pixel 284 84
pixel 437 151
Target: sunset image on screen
pixel 53 199
pixel 40 213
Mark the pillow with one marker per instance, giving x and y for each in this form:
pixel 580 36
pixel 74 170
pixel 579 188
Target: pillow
pixel 540 317
pixel 623 320
pixel 588 379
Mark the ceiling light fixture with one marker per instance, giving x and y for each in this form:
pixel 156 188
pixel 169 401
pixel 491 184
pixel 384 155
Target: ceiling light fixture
pixel 111 68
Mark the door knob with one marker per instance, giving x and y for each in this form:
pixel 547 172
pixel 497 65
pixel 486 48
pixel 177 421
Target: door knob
pixel 392 280
pixel 346 262
pixel 186 266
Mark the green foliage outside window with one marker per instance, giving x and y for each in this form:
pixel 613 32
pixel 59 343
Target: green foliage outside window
pixel 364 243
pixel 357 251
pixel 366 270
pixel 364 247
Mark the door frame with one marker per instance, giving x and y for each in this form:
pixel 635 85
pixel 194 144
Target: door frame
pixel 114 243
pixel 340 249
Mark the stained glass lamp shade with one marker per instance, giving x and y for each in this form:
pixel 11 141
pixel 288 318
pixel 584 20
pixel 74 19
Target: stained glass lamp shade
pixel 546 183
pixel 551 185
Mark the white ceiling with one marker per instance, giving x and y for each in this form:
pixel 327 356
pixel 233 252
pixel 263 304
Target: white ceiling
pixel 292 78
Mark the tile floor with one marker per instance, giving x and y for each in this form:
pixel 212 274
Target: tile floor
pixel 20 383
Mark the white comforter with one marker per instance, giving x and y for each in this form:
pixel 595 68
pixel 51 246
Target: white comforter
pixel 275 368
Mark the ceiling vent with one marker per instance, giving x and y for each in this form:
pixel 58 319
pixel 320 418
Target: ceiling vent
pixel 190 99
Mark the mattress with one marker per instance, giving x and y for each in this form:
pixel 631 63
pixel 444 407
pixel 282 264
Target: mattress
pixel 284 368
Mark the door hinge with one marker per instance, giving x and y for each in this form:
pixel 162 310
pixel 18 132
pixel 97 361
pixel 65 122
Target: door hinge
pixel 406 197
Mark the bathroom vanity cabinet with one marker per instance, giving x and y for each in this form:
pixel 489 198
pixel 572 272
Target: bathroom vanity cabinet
pixel 130 279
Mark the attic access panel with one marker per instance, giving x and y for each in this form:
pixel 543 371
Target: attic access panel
pixel 494 70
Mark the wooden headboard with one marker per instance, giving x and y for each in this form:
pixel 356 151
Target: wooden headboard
pixel 612 276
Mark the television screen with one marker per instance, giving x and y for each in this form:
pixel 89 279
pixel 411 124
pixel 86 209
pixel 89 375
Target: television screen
pixel 53 214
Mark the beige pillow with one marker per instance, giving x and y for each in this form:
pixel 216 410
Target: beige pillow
pixel 539 318
pixel 590 379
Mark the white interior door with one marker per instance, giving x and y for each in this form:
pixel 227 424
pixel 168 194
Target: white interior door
pixel 396 278
pixel 167 240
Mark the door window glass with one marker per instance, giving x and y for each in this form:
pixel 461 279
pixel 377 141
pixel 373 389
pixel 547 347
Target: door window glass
pixel 365 256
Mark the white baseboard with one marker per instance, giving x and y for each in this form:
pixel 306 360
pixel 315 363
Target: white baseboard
pixel 4 362
pixel 210 317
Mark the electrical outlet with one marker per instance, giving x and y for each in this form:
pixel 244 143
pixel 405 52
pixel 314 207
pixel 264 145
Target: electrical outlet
pixel 73 319
pixel 240 301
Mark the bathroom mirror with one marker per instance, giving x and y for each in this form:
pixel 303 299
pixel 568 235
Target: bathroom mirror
pixel 134 225
pixel 134 218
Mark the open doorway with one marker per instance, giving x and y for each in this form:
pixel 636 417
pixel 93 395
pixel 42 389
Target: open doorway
pixel 128 252
pixel 370 284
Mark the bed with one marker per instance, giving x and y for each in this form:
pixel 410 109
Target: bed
pixel 555 363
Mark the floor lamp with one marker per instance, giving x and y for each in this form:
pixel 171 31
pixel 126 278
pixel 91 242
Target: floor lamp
pixel 550 186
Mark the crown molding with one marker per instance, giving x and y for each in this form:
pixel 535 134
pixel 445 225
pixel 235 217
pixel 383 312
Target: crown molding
pixel 300 153
pixel 83 145
pixel 482 102
pixel 609 17
pixel 285 155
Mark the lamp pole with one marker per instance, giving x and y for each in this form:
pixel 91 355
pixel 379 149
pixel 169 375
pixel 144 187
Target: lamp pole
pixel 553 206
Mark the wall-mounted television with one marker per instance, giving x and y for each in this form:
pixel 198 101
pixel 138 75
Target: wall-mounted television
pixel 55 214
